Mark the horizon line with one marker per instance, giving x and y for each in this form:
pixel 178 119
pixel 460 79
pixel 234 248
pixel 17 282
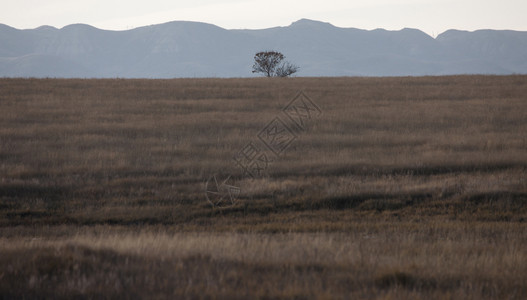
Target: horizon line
pixel 255 29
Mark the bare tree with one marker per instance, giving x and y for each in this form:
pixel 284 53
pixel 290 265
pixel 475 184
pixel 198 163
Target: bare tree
pixel 271 64
pixel 286 69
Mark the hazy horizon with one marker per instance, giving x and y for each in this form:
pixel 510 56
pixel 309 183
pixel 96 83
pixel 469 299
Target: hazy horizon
pixel 278 26
pixel 189 49
pixel 430 16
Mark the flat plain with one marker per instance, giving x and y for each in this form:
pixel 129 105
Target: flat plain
pixel 395 188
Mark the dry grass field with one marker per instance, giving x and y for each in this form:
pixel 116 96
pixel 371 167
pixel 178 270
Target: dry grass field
pixel 402 188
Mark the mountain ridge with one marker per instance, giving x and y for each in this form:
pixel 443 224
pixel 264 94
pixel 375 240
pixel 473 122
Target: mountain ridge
pixel 198 49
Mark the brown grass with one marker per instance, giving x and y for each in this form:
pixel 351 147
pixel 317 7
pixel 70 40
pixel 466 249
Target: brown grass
pixel 402 188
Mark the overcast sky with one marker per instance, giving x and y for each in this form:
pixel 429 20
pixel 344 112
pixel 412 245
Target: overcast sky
pixel 431 16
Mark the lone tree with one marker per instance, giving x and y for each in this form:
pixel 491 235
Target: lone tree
pixel 271 64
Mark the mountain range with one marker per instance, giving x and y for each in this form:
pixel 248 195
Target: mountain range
pixel 194 49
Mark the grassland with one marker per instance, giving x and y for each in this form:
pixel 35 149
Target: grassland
pixel 401 188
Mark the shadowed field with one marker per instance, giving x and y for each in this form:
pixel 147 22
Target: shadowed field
pixel 400 188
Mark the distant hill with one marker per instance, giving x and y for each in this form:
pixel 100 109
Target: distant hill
pixel 193 49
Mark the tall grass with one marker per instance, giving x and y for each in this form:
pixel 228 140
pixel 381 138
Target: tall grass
pixel 402 188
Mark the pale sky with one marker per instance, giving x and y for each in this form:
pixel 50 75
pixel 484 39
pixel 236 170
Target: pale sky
pixel 430 16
